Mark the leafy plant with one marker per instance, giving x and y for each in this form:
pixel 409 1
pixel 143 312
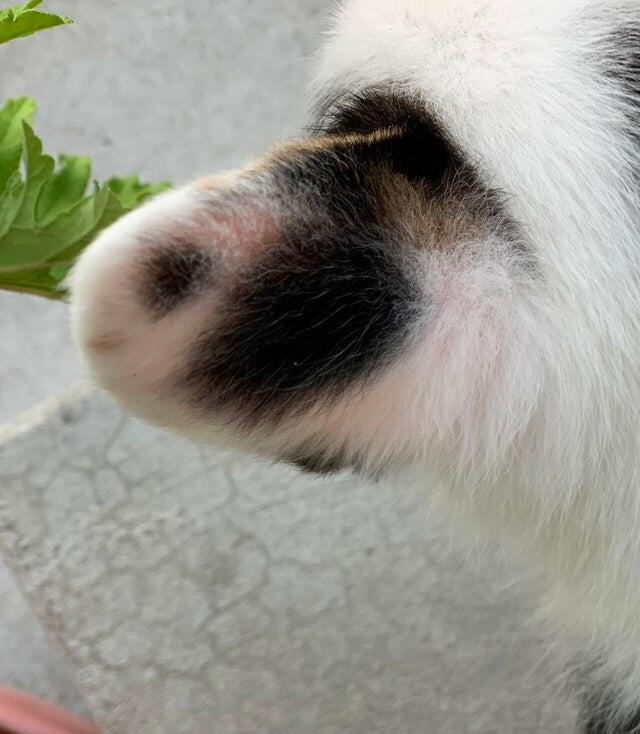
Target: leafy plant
pixel 48 213
pixel 22 20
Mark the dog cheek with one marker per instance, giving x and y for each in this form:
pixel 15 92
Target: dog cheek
pixel 458 394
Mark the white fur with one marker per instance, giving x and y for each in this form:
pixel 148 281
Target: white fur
pixel 524 392
pixel 551 461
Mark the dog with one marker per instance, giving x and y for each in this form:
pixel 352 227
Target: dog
pixel 442 274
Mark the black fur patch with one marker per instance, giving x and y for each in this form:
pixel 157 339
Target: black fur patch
pixel 317 462
pixel 173 274
pixel 630 69
pixel 601 714
pixel 602 721
pixel 316 314
pixel 622 63
pixel 419 148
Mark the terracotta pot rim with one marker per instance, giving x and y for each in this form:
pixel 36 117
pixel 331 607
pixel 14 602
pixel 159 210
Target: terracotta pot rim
pixel 21 713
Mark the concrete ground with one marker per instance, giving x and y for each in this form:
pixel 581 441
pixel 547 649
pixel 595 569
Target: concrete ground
pixel 187 591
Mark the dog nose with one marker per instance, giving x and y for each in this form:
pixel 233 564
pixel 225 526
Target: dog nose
pixel 151 283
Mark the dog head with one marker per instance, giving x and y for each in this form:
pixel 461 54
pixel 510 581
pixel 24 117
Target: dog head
pixel 394 286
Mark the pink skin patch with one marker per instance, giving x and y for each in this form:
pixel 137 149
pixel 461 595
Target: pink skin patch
pixel 235 215
pixel 245 232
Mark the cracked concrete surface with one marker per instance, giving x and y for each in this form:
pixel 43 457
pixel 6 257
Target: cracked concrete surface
pixel 196 592
pixel 36 356
pixel 29 660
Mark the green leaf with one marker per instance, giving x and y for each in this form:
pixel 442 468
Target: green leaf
pixel 62 190
pixel 46 215
pixel 39 168
pixel 10 202
pixel 44 281
pixel 22 20
pixel 13 114
pixel 132 192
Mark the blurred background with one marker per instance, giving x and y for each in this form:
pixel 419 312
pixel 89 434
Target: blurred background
pixel 162 587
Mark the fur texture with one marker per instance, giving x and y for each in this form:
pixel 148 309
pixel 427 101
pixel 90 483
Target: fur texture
pixel 445 273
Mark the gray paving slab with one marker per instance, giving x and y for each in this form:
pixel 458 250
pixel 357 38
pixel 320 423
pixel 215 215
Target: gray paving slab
pixel 168 89
pixel 28 658
pixel 36 355
pixel 201 592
